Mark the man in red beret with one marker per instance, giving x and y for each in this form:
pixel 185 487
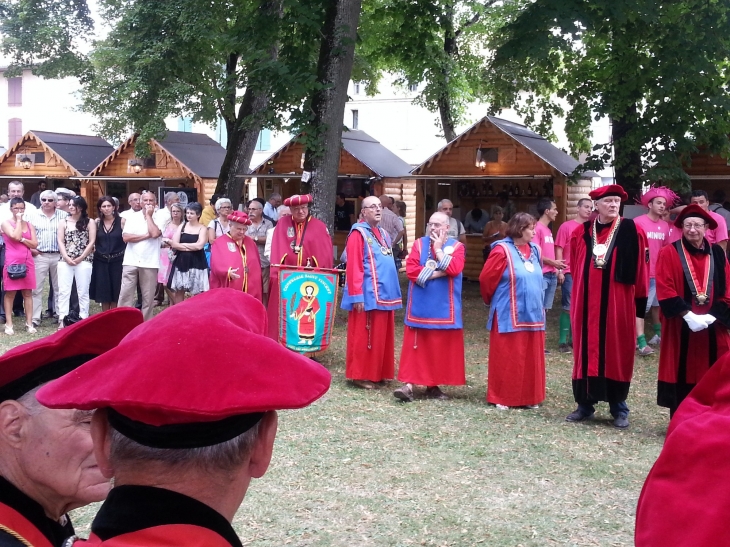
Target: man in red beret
pixel 372 294
pixel 693 287
pixel 685 500
pixel 47 465
pixel 657 199
pixel 184 438
pixel 234 259
pixel 298 240
pixel 609 259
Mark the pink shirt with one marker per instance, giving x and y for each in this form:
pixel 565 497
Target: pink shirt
pixel 657 233
pixel 718 235
pixel 563 239
pixel 544 240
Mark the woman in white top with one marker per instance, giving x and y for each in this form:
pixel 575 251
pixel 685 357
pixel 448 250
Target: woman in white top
pixel 76 238
pixel 219 226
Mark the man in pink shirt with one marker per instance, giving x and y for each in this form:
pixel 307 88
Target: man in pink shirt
pixel 548 211
pixel 719 235
pixel 657 200
pixel 565 279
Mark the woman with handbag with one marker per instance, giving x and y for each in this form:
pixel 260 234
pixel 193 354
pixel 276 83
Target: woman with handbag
pixel 189 270
pixel 76 238
pixel 19 269
pixel 106 273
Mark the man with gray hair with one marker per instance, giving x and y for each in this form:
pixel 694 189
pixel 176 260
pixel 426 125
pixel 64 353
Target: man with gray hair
pixel 182 461
pixel 456 228
pixel 46 256
pixel 270 207
pixel 47 464
pixel 163 215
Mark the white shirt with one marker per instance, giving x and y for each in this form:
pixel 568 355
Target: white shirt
pixel 126 214
pixel 456 228
pixel 145 253
pixel 270 211
pixel 162 218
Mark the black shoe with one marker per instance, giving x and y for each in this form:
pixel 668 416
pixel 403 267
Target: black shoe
pixel 578 416
pixel 36 324
pixel 404 393
pixel 547 351
pixel 47 314
pixel 18 313
pixel 621 421
pixel 565 348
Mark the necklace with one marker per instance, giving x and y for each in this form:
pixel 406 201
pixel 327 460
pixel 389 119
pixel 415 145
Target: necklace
pixel 529 266
pixel 601 250
pixel 700 291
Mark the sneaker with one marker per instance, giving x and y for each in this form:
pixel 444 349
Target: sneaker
pixel 436 393
pixel 621 421
pixel 565 348
pixel 404 393
pixel 547 351
pixel 578 416
pixel 655 340
pixel 502 407
pixel 532 407
pixel 646 350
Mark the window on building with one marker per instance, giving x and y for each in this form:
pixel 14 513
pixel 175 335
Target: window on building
pixel 264 141
pixel 221 133
pixel 412 88
pixel 15 91
pixel 355 119
pixel 185 124
pixel 487 155
pixel 40 157
pixel 356 86
pixel 15 130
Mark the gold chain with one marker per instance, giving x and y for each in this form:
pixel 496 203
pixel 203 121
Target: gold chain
pixel 16 535
pixel 610 235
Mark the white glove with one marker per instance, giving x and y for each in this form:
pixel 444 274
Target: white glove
pixel 707 318
pixel 696 322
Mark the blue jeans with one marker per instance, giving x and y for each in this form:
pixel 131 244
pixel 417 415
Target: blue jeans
pixel 549 284
pixel 616 409
pixel 565 290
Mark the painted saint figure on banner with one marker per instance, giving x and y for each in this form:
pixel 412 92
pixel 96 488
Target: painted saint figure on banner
pixel 306 313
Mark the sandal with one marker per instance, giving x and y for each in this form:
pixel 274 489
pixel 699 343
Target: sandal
pixel 9 330
pixel 30 328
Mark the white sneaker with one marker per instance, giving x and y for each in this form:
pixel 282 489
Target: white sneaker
pixel 655 340
pixel 502 407
pixel 532 407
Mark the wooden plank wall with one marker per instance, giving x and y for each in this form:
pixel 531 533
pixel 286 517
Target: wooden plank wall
pixel 576 192
pixel 405 190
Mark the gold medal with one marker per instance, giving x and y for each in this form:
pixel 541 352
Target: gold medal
pixel 431 264
pixel 701 299
pixel 529 266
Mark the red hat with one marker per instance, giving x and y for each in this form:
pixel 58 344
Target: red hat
pixel 695 210
pixel 28 366
pixel 684 502
pixel 296 200
pixel 659 192
pixel 610 190
pixel 199 373
pixel 240 217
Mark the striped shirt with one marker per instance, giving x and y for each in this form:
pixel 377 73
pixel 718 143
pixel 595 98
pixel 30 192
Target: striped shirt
pixel 46 229
pixel 391 223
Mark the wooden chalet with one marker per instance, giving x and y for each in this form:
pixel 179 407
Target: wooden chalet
pixel 495 155
pixel 366 167
pixel 59 159
pixel 193 159
pixel 709 172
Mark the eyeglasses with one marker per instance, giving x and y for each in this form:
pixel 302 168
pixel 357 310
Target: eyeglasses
pixel 226 207
pixel 693 226
pixel 435 224
pixel 51 200
pixel 374 207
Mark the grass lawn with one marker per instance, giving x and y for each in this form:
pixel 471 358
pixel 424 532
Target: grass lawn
pixel 360 468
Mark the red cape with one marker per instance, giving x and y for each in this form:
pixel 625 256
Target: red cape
pixel 222 258
pixel 316 250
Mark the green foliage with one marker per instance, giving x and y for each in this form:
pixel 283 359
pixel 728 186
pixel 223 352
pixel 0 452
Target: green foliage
pixel 47 36
pixel 657 69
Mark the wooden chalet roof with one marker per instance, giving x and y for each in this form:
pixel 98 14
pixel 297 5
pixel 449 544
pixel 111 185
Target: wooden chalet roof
pixel 537 144
pixel 365 149
pixel 78 154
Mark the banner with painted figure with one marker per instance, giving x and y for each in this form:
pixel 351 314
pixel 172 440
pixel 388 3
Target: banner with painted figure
pixel 307 307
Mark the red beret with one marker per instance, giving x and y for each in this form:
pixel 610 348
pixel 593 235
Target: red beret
pixel 695 210
pixel 240 217
pixel 610 190
pixel 296 200
pixel 199 373
pixel 28 366
pixel 684 502
pixel 659 192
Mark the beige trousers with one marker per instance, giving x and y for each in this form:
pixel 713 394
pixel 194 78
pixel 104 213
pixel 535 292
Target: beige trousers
pixel 147 279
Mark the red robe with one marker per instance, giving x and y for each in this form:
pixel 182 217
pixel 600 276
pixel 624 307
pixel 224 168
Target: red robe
pixel 686 356
pixel 516 372
pixel 226 255
pixel 432 357
pixel 370 334
pixel 12 519
pixel 605 305
pixel 315 250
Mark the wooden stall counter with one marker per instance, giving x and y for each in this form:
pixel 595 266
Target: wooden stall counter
pixel 474 260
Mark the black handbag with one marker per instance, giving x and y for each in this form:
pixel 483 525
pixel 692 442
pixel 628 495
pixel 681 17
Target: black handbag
pixel 17 271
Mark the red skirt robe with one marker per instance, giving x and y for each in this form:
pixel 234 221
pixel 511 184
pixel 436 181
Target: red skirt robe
pixel 370 334
pixel 226 255
pixel 604 311
pixel 315 250
pixel 686 356
pixel 432 357
pixel 516 372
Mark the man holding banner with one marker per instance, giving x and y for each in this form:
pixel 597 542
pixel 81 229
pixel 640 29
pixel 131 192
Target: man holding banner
pixel 433 339
pixel 372 294
pixel 298 240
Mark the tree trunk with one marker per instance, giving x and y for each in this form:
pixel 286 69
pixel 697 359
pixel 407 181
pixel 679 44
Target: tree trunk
pixel 444 99
pixel 244 133
pixel 627 156
pixel 323 139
